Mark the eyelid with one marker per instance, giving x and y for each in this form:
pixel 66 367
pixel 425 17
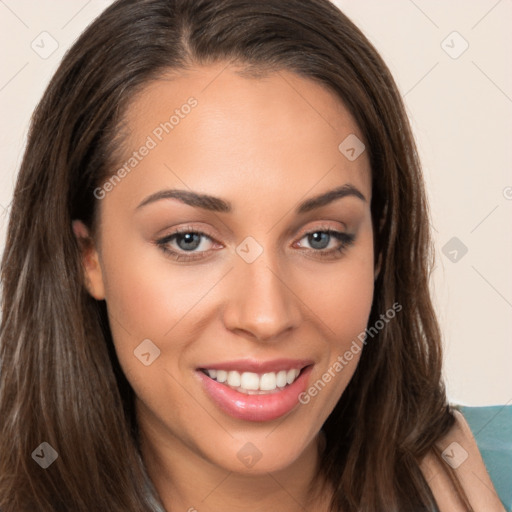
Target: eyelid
pixel 343 237
pixel 189 229
pixel 323 226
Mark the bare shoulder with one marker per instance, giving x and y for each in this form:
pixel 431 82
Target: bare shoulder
pixel 460 452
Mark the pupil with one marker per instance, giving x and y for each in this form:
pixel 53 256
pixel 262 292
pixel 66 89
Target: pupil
pixel 316 238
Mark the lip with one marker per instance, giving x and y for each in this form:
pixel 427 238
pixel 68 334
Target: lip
pixel 255 407
pixel 251 365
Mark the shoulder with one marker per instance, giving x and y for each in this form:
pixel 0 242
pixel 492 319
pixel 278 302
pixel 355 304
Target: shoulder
pixel 459 451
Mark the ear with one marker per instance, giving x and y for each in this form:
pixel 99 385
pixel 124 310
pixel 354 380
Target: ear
pixel 90 260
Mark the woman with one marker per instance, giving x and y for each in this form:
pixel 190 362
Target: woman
pixel 215 282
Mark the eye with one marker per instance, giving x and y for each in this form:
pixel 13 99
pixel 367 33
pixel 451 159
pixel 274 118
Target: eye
pixel 189 244
pixel 186 244
pixel 320 239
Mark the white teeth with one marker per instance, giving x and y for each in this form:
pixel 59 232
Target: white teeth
pixel 281 379
pixel 253 383
pixel 249 380
pixel 290 376
pixel 234 379
pixel 268 382
pixel 222 376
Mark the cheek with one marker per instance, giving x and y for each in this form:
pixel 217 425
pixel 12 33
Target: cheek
pixel 342 301
pixel 151 298
pixel 342 298
pixel 148 294
pixel 146 300
pixel 345 300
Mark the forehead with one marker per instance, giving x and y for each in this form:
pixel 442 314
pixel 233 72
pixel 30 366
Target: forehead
pixel 279 129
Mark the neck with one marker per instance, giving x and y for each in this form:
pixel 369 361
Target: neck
pixel 185 481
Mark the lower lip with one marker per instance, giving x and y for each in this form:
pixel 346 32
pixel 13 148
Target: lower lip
pixel 255 407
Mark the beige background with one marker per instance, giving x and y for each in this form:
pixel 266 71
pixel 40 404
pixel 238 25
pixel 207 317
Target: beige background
pixel 460 105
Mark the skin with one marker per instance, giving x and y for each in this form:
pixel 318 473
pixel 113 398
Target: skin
pixel 460 449
pixel 265 145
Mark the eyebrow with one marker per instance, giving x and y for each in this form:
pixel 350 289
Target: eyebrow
pixel 216 204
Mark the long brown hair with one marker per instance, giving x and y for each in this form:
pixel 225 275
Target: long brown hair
pixel 60 379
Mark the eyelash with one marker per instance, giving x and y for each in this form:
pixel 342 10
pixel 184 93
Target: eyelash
pixel 345 239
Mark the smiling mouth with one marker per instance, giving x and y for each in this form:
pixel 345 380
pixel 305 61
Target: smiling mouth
pixel 251 383
pixel 256 391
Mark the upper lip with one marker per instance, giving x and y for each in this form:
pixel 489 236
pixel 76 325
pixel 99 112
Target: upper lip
pixel 252 365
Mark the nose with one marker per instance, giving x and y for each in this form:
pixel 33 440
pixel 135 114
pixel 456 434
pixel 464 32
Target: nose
pixel 262 303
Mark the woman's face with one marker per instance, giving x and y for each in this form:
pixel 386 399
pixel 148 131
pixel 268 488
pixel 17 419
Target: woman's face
pixel 261 292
